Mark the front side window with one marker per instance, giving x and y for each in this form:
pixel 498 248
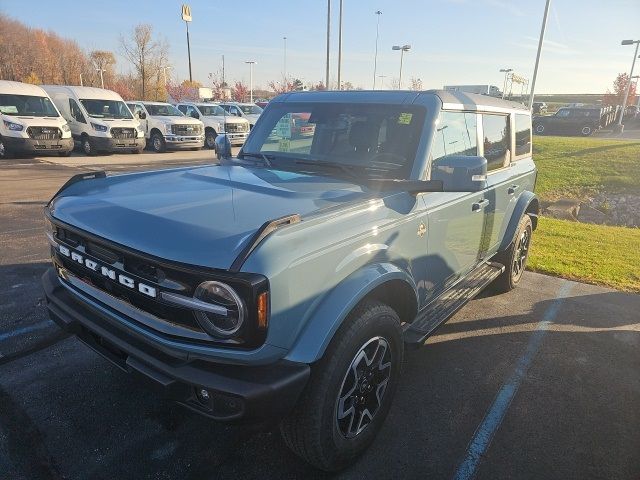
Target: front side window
pixel 98 108
pixel 27 105
pixel 496 140
pixel 251 109
pixel 455 135
pixel 76 113
pixel 162 110
pixel 371 141
pixel 523 134
pixel 563 112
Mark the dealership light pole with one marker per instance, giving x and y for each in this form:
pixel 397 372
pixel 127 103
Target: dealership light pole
pixel 403 48
pixel 620 128
pixel 284 39
pixel 251 64
pixel 375 57
pixel 540 42
pixel 328 42
pixel 101 70
pixel 340 48
pixel 186 16
pixel 506 72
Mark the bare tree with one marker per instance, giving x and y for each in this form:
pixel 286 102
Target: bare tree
pixel 145 53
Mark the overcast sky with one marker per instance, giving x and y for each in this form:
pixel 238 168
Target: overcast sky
pixel 453 41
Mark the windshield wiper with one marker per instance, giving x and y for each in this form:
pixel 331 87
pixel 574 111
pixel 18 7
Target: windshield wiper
pixel 346 169
pixel 266 159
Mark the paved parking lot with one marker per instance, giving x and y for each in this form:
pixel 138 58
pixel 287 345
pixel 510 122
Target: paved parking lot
pixel 539 383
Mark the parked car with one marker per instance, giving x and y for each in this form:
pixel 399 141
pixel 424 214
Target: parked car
pixel 250 111
pixel 285 283
pixel 539 108
pixel 30 123
pixel 99 119
pixel 577 120
pixel 166 127
pixel 216 121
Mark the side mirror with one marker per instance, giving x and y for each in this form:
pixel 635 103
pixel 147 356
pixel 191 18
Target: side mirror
pixel 460 173
pixel 223 147
pixel 195 115
pixel 142 115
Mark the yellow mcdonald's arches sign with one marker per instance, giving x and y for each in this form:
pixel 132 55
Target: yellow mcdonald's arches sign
pixel 186 13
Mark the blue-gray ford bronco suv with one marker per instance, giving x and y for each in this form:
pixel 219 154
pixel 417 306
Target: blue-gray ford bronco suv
pixel 285 283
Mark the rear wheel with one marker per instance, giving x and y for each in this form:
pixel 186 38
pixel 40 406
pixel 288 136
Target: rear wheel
pixel 514 258
pixel 539 129
pixel 210 139
pixel 586 130
pixel 158 144
pixel 350 390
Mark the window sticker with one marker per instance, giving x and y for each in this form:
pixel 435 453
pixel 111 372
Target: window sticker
pixel 283 127
pixel 284 145
pixel 405 118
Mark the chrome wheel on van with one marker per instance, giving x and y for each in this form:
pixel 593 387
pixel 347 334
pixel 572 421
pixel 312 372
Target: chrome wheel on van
pixel 86 146
pixel 3 151
pixel 363 387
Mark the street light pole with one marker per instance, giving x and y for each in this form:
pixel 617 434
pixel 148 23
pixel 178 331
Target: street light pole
pixel 506 72
pixel 186 16
pixel 404 48
pixel 101 77
pixel 328 42
pixel 620 127
pixel 340 48
pixel 251 64
pixel 540 42
pixel 375 58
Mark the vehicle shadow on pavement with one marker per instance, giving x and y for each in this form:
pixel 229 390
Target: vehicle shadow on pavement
pixel 67 413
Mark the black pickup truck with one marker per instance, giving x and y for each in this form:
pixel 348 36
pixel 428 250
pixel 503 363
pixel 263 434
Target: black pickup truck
pixel 574 120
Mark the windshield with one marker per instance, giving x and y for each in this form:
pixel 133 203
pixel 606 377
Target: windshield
pixel 370 141
pixel 27 105
pixel 162 110
pixel 250 109
pixel 211 110
pixel 106 108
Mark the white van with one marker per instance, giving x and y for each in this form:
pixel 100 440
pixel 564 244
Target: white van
pixel 165 127
pixel 30 122
pixel 99 119
pixel 216 121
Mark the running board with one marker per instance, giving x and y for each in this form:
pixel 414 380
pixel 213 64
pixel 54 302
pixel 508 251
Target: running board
pixel 442 308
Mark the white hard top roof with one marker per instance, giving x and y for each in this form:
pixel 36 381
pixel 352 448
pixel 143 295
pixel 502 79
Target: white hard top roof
pixel 85 92
pixel 19 88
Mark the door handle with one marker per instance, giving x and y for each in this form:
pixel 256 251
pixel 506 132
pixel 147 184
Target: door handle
pixel 512 189
pixel 478 206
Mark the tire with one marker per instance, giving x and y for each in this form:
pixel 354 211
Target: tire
pixel 158 144
pixel 586 130
pixel 210 139
pixel 514 258
pixel 4 153
pixel 314 431
pixel 539 129
pixel 87 146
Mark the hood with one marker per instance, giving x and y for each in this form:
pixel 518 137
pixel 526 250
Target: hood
pixel 28 121
pixel 200 216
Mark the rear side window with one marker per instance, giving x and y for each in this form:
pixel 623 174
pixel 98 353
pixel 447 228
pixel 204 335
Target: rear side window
pixel 455 135
pixel 523 135
pixel 496 140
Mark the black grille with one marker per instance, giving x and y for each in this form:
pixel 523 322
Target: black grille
pixel 44 133
pixel 123 133
pixel 186 130
pixel 235 127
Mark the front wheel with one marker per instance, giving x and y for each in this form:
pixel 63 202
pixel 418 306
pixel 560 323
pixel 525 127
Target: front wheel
pixel 87 146
pixel 586 130
pixel 157 143
pixel 539 129
pixel 514 258
pixel 4 153
pixel 350 390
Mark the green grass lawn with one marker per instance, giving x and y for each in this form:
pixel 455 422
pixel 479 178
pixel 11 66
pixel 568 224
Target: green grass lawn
pixel 579 167
pixel 596 254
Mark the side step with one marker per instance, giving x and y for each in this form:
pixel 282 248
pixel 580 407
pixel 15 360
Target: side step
pixel 442 308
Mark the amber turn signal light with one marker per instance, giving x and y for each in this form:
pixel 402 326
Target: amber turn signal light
pixel 263 310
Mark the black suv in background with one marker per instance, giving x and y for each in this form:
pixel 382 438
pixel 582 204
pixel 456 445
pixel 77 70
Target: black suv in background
pixel 574 120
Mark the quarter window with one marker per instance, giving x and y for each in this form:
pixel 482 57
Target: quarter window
pixel 523 135
pixel 496 140
pixel 455 135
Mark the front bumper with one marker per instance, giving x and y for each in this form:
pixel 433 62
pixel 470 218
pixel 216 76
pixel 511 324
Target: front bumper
pixel 248 393
pixel 109 144
pixel 178 141
pixel 33 146
pixel 237 138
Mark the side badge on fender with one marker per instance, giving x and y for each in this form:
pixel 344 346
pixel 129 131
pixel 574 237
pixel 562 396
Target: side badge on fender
pixel 422 229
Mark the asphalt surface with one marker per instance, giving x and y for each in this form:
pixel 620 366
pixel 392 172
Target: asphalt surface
pixel 542 382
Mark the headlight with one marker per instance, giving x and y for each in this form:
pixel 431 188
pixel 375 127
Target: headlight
pixel 167 129
pixel 65 128
pixel 220 128
pixel 230 317
pixel 140 131
pixel 99 128
pixel 17 127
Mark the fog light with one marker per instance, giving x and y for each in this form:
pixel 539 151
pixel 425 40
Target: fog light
pixel 203 395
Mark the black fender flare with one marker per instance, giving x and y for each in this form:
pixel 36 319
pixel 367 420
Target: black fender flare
pixel 528 204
